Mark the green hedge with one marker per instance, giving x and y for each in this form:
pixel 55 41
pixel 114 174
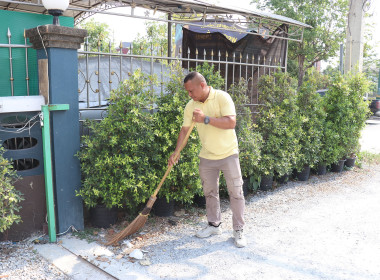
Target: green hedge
pixel 126 156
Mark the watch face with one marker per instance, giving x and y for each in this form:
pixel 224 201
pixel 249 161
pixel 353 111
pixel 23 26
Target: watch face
pixel 207 120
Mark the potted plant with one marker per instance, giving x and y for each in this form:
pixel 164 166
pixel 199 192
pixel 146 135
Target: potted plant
pixel 10 198
pixel 336 104
pixel 115 158
pixel 358 113
pixel 183 183
pixel 311 117
pixel 249 139
pixel 331 151
pixel 278 124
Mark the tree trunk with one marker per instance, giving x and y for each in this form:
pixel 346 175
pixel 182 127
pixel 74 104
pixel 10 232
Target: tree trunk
pixel 301 70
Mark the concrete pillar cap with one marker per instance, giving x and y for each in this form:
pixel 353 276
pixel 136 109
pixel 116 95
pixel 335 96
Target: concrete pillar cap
pixel 56 36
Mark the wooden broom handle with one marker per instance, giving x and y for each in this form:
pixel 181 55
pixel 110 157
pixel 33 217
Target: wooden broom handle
pixel 176 156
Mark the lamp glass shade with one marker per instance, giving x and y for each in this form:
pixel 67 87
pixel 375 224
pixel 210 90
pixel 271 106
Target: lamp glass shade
pixel 56 4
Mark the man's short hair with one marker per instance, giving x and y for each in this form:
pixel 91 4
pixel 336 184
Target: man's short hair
pixel 194 75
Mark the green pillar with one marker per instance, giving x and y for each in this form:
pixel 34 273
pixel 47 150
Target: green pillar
pixel 48 169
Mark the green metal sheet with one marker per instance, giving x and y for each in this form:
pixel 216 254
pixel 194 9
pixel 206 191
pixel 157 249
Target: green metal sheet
pixel 17 22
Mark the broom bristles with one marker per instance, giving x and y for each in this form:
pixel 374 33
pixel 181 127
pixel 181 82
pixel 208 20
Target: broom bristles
pixel 136 224
pixel 133 227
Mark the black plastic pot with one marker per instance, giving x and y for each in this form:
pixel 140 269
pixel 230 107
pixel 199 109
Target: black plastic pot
pixel 103 217
pixel 338 166
pixel 283 179
pixel 246 186
pixel 162 208
pixel 200 200
pixel 266 182
pixel 350 162
pixel 304 174
pixel 321 169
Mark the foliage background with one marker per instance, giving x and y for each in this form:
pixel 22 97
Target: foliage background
pixel 10 198
pixel 328 19
pixel 99 36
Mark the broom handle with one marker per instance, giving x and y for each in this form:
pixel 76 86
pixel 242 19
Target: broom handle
pixel 170 166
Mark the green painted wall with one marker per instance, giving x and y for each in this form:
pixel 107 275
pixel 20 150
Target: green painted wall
pixel 17 23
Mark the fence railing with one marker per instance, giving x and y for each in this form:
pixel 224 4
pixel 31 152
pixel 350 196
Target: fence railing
pixel 10 65
pixel 101 72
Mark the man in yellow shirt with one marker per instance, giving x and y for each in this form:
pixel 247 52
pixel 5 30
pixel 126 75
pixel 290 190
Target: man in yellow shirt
pixel 215 116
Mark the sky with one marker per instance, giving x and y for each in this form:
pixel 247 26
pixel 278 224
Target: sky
pixel 127 29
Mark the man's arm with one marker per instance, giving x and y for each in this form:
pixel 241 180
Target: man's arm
pixel 181 137
pixel 225 122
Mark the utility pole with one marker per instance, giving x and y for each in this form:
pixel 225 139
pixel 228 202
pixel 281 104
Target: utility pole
pixel 169 36
pixel 354 36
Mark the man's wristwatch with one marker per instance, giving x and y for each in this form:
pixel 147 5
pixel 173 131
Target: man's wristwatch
pixel 206 120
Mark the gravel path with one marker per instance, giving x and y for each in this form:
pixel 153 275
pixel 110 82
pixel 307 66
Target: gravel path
pixel 325 228
pixel 20 261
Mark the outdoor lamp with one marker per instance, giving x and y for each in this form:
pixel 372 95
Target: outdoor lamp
pixel 55 8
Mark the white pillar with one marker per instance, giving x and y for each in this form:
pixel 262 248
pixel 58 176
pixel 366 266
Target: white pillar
pixel 354 37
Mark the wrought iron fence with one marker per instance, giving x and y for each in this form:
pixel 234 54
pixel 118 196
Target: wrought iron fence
pixel 7 67
pixel 101 72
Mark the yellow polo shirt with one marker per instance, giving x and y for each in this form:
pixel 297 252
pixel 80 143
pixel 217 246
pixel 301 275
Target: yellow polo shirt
pixel 217 143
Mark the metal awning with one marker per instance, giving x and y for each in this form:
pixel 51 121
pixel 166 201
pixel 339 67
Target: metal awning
pixel 78 8
pixel 180 11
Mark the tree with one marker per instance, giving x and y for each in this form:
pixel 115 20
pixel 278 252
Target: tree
pixel 98 33
pixel 328 19
pixel 156 38
pixel 371 62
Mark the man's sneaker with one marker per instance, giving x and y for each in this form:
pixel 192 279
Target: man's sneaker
pixel 240 240
pixel 208 231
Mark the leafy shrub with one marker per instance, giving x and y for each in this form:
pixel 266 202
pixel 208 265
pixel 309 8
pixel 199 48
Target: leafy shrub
pixel 278 124
pixel 346 115
pixel 126 156
pixel 211 75
pixel 9 196
pixel 183 181
pixel 249 139
pixel 358 113
pixel 337 126
pixel 312 118
pixel 330 149
pixel 116 160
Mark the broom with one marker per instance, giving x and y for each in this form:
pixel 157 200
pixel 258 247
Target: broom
pixel 141 219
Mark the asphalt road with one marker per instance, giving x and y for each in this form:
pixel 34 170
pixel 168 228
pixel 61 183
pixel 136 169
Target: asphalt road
pixel 370 140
